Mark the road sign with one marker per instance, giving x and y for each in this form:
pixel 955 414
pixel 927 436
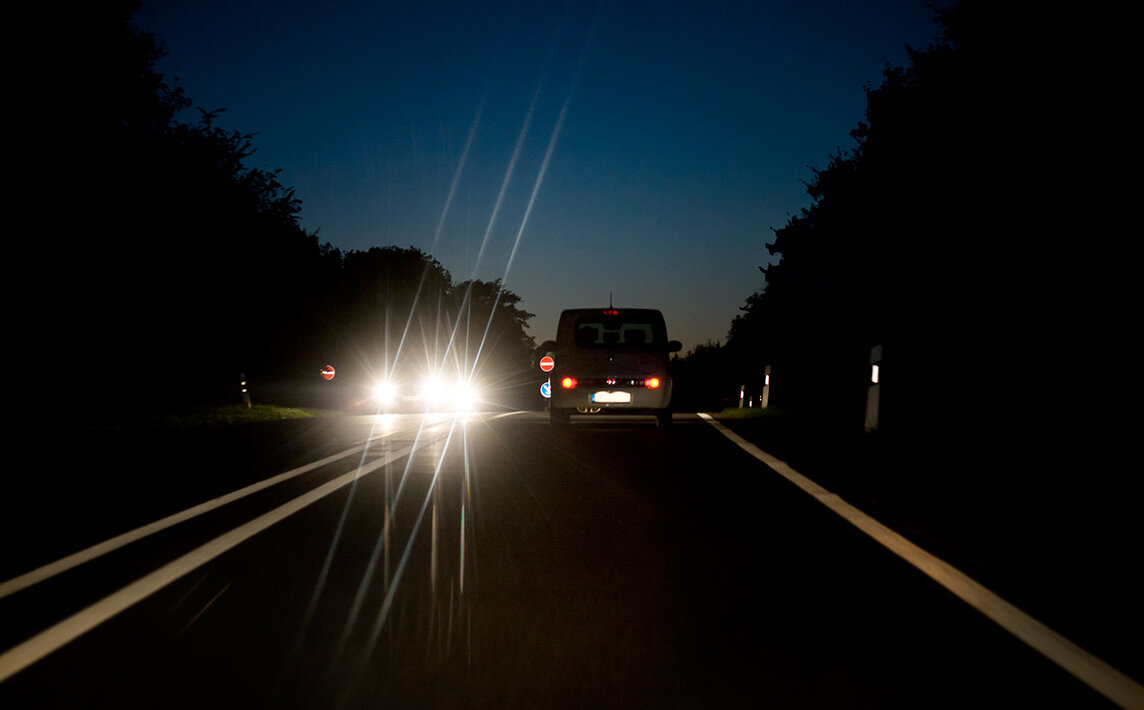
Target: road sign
pixel 328 372
pixel 547 363
pixel 546 390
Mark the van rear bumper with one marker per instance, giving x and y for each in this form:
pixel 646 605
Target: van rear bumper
pixel 643 400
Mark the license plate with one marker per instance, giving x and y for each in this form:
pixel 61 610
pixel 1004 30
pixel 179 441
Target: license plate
pixel 612 397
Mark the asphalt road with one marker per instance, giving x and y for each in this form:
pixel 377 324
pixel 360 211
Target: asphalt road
pixel 500 564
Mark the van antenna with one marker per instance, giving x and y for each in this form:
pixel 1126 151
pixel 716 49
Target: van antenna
pixel 610 301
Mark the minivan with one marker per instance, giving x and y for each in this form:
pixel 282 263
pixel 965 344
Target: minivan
pixel 613 361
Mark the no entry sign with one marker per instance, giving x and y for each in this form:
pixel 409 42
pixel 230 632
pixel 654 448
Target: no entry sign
pixel 328 372
pixel 547 363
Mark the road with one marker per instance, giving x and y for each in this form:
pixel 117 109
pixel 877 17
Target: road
pixel 484 562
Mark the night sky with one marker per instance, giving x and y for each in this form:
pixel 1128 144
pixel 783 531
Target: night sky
pixel 575 150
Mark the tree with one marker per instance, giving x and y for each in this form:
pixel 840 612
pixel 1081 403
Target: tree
pixel 397 312
pixel 935 236
pixel 175 267
pixel 388 310
pixel 704 379
pixel 491 335
pixel 168 256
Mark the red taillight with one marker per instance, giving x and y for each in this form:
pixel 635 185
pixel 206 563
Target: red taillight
pixel 568 383
pixel 651 383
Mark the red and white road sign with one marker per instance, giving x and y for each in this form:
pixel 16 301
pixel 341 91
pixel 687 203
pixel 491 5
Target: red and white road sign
pixel 328 372
pixel 547 363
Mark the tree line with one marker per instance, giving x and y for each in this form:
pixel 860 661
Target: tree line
pixel 165 267
pixel 963 234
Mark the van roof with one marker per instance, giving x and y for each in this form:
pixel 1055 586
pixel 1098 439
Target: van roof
pixel 609 311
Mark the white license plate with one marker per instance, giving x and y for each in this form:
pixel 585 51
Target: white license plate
pixel 612 397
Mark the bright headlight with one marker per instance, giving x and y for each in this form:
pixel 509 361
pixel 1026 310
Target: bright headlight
pixel 464 396
pixel 385 392
pixel 433 390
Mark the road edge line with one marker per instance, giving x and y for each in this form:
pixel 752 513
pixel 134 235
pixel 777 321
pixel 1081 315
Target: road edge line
pixel 1091 670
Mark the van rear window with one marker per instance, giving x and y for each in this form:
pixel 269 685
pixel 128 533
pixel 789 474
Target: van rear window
pixel 619 332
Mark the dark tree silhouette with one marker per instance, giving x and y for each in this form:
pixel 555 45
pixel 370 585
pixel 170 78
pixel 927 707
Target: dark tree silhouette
pixel 938 236
pixel 398 310
pixel 492 339
pixel 703 381
pixel 169 266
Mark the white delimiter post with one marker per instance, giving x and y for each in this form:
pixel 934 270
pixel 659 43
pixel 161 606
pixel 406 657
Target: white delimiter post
pixel 873 389
pixel 765 399
pixel 245 391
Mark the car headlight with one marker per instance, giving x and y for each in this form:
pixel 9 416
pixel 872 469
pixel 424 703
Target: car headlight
pixel 433 390
pixel 385 392
pixel 464 396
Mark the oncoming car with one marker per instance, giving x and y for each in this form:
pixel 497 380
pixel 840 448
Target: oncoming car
pixel 611 360
pixel 424 393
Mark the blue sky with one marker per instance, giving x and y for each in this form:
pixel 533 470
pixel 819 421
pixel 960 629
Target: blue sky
pixel 573 149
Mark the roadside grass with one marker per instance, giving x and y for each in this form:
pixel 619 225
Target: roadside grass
pixel 748 413
pixel 214 417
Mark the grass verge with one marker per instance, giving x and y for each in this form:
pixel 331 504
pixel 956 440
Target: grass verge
pixel 213 417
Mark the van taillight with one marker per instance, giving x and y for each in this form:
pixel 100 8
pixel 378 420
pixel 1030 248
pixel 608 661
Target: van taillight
pixel 568 383
pixel 651 383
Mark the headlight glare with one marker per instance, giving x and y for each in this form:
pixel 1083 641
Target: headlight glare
pixel 464 396
pixel 385 392
pixel 433 390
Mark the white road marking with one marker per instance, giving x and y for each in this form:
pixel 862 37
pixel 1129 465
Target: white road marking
pixel 55 637
pixel 1098 675
pixel 78 558
pixel 502 415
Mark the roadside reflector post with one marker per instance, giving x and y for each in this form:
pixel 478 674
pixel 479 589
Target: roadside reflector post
pixel 742 393
pixel 765 397
pixel 873 389
pixel 245 391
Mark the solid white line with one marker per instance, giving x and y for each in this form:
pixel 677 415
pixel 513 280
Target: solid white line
pixel 55 637
pixel 78 558
pixel 503 415
pixel 1098 675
